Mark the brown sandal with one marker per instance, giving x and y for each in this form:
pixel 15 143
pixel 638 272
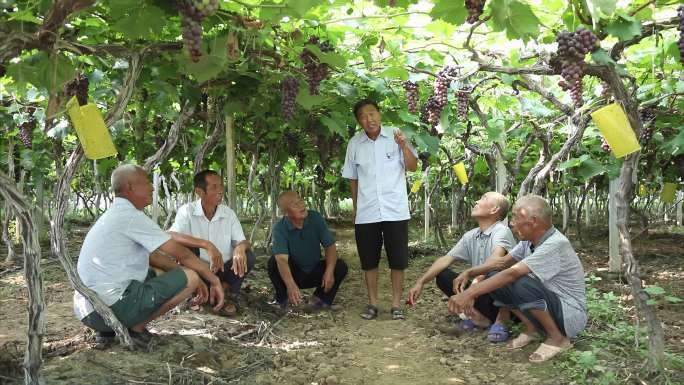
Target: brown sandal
pixel 228 310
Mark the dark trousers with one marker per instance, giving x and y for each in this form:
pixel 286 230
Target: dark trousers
pixel 526 294
pixel 484 303
pixel 228 276
pixel 306 280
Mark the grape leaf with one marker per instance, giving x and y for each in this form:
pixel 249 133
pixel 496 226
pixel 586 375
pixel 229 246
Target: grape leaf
pixel 516 18
pixel 451 11
pixel 306 100
pixel 624 27
pixel 654 290
pixel 394 73
pixel 300 7
pixel 137 23
pixel 334 126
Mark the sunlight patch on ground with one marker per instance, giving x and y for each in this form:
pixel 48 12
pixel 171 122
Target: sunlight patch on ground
pixel 17 280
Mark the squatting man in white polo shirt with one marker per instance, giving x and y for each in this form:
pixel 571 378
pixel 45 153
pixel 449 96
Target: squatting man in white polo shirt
pixel 115 262
pixel 213 230
pixel 376 163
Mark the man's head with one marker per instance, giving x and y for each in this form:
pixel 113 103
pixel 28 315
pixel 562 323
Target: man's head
pixel 131 182
pixel 531 218
pixel 208 187
pixel 367 113
pixel 292 206
pixel 491 205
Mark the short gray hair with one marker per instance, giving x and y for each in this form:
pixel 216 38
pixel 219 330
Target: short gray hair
pixel 536 206
pixel 122 175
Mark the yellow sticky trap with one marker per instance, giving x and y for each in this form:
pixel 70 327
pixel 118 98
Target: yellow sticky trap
pixel 416 186
pixel 91 130
pixel 642 191
pixel 460 171
pixel 614 125
pixel 668 193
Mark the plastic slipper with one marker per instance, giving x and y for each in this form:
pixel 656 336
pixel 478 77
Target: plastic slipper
pixel 520 341
pixel 370 312
pixel 397 313
pixel 545 352
pixel 497 333
pixel 467 325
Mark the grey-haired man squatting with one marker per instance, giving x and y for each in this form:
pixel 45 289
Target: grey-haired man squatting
pixel 115 262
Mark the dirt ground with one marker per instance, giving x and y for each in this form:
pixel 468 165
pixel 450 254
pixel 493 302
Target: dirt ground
pixel 264 345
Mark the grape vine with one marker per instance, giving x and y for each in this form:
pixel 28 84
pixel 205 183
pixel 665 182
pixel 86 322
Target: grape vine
pixel 572 47
pixel 192 13
pixel 289 91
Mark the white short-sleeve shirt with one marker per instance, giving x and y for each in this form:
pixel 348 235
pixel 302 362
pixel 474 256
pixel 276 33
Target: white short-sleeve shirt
pixel 115 252
pixel 379 167
pixel 224 229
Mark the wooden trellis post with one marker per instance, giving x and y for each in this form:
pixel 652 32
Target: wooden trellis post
pixel 230 163
pixel 426 210
pixel 680 196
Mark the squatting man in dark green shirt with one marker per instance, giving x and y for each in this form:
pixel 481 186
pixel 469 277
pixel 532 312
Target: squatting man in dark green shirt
pixel 296 262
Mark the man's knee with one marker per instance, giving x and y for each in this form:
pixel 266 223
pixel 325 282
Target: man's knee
pixel 445 281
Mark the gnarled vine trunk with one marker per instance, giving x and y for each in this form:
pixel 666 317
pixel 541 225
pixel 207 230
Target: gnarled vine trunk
pixel 34 281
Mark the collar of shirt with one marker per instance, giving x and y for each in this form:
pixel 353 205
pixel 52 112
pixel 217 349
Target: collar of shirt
pixel 290 226
pixel 197 210
pixel 543 238
pixel 387 132
pixel 487 231
pixel 123 202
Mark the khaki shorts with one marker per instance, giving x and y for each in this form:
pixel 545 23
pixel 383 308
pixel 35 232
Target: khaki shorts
pixel 141 299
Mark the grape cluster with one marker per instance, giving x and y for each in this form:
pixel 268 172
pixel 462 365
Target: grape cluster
pixel 26 129
pixel 79 88
pixel 680 27
pixel 572 47
pixel 411 89
pixel 475 8
pixel 438 100
pixel 604 145
pixel 289 90
pixel 316 71
pixel 192 13
pixel 606 93
pixel 648 116
pixel 462 96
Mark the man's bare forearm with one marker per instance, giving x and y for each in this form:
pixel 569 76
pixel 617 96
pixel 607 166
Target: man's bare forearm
pixel 330 258
pixel 189 241
pixel 284 270
pixel 186 258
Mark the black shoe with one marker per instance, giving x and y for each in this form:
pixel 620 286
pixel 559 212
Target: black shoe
pixel 104 339
pixel 143 336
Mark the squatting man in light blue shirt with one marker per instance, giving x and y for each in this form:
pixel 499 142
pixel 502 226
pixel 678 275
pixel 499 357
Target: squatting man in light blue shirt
pixel 375 164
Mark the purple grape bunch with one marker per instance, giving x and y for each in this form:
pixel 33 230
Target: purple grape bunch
pixel 462 96
pixel 475 9
pixel 26 129
pixel 79 88
pixel 572 47
pixel 316 71
pixel 411 89
pixel 289 90
pixel 680 27
pixel 192 13
pixel 648 116
pixel 604 145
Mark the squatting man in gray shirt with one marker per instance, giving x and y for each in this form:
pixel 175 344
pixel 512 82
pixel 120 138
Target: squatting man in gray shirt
pixel 544 285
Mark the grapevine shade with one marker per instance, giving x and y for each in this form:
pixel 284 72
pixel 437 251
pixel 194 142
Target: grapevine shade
pixel 91 130
pixel 617 131
pixel 668 193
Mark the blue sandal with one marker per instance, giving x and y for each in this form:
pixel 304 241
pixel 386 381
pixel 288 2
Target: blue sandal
pixel 497 333
pixel 468 325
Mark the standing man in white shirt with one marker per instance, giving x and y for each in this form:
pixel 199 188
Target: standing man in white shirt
pixel 213 228
pixel 376 163
pixel 115 262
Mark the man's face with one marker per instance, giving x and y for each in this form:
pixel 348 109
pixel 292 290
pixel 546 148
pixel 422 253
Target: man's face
pixel 140 190
pixel 522 224
pixel 214 191
pixel 483 207
pixel 369 118
pixel 296 208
